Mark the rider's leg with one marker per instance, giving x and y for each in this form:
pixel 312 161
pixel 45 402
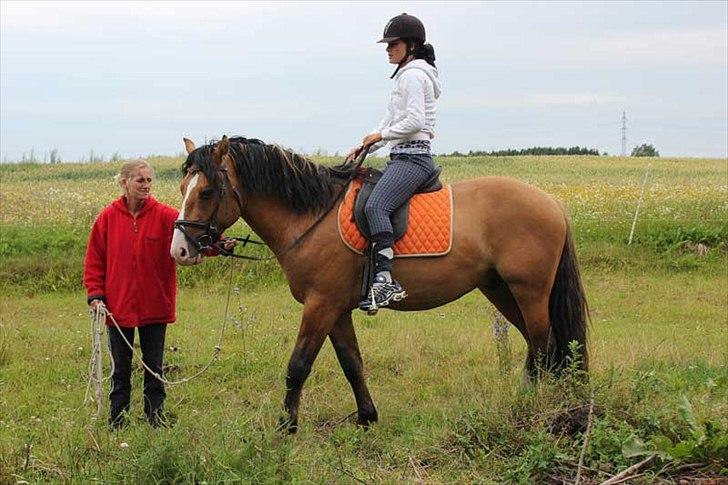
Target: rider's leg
pixel 400 180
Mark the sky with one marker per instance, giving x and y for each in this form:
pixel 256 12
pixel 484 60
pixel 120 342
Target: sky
pixel 134 78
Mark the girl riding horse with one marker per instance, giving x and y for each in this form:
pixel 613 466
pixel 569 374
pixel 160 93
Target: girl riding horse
pixel 408 126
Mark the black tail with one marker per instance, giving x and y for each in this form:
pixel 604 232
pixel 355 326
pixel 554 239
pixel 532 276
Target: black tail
pixel 568 310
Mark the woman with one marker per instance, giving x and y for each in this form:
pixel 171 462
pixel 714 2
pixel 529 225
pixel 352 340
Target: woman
pixel 408 127
pixel 129 268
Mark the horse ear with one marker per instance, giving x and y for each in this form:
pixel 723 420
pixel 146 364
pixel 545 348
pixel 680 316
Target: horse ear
pixel 189 145
pixel 221 149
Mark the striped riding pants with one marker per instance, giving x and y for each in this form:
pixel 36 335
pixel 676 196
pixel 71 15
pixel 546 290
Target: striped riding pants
pixel 404 174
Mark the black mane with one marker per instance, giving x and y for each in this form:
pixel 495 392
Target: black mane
pixel 271 171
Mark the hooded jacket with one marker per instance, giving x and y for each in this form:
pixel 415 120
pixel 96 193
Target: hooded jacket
pixel 411 110
pixel 128 263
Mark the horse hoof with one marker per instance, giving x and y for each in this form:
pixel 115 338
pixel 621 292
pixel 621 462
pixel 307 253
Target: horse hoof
pixel 285 425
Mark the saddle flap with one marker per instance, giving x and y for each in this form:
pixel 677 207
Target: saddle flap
pixel 429 224
pixel 398 217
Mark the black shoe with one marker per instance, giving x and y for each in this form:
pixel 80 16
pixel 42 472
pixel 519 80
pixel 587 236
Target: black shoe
pixel 118 422
pixel 160 419
pixel 381 294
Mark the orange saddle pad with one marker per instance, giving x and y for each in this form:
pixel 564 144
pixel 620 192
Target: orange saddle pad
pixel 429 224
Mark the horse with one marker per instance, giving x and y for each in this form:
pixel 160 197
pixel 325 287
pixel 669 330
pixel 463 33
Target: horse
pixel 511 241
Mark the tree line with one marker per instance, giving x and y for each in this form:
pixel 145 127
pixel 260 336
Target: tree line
pixel 644 150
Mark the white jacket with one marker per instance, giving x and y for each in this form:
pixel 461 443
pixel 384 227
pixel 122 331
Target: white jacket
pixel 411 110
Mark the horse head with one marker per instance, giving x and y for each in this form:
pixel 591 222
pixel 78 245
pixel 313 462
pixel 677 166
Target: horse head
pixel 211 202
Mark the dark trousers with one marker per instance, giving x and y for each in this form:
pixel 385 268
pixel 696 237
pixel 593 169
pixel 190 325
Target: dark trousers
pixel 151 341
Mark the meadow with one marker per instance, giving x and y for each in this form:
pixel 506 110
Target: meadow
pixel 451 402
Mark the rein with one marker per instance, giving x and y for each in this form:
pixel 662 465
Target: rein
pixel 211 238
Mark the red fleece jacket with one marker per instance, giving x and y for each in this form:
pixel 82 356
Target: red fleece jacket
pixel 128 263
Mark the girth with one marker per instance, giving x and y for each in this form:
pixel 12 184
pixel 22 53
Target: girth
pixel 399 217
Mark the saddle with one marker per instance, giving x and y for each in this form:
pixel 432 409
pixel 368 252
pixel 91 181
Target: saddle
pixel 400 216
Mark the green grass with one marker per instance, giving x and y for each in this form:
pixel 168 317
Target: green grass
pixel 43 231
pixel 448 412
pixel 451 404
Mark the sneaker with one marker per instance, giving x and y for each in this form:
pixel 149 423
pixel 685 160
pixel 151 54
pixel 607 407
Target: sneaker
pixel 381 294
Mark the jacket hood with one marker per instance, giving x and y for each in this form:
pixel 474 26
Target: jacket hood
pixel 431 72
pixel 120 204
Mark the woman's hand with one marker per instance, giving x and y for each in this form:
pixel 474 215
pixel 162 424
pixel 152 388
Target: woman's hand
pixel 368 140
pixel 371 139
pixel 353 153
pixel 229 244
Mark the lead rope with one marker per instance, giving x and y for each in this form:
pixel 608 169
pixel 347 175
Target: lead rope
pixel 100 313
pixel 95 367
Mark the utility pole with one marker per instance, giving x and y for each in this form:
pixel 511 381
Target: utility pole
pixel 624 134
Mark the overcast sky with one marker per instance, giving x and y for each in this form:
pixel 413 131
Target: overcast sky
pixel 134 78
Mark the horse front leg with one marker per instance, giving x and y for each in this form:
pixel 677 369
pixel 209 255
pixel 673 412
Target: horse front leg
pixel 316 324
pixel 344 340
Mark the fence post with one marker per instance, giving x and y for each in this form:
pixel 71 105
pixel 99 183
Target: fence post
pixel 639 203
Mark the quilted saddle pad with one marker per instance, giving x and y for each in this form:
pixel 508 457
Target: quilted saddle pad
pixel 429 224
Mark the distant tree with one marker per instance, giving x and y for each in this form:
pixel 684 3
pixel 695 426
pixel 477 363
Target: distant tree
pixel 55 158
pixel 645 150
pixel 510 152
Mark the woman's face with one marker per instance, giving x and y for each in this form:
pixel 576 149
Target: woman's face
pixel 139 185
pixel 396 50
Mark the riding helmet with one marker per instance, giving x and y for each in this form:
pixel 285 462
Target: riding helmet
pixel 402 27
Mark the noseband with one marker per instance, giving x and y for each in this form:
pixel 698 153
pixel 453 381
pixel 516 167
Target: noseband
pixel 211 235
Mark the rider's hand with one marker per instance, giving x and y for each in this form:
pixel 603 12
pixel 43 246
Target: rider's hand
pixel 353 153
pixel 371 139
pixel 94 303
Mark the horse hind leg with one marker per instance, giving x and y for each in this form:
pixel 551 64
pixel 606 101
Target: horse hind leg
pixel 499 294
pixel 346 346
pixel 533 303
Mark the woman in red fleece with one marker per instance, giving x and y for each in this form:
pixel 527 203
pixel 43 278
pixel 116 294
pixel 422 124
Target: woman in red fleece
pixel 128 266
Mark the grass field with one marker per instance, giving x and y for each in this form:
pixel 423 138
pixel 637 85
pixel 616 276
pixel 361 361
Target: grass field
pixel 450 399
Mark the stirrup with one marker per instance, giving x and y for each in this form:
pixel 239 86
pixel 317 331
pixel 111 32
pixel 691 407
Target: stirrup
pixel 370 306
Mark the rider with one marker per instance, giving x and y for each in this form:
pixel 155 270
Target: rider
pixel 408 127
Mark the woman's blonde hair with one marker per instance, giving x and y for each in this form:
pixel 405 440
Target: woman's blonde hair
pixel 129 167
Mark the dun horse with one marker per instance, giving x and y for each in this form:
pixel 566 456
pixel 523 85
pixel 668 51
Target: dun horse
pixel 511 241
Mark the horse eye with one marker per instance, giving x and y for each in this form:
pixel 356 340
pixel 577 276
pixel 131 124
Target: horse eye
pixel 206 194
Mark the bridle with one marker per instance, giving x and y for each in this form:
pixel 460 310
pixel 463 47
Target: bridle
pixel 210 239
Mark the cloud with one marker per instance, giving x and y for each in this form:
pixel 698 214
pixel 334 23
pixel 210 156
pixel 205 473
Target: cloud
pixel 701 46
pixel 68 17
pixel 536 100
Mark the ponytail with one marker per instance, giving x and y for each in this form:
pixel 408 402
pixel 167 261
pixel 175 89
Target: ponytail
pixel 426 52
pixel 417 51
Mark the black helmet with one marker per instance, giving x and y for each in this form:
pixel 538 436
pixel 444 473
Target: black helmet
pixel 404 26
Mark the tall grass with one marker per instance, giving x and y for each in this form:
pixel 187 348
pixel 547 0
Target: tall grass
pixel 451 401
pixel 47 211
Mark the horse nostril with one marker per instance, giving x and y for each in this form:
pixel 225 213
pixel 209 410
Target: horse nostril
pixel 182 252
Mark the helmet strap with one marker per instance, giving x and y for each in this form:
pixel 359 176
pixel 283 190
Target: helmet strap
pixel 410 53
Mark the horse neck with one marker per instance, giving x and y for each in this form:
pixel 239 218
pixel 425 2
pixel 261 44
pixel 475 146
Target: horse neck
pixel 277 225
